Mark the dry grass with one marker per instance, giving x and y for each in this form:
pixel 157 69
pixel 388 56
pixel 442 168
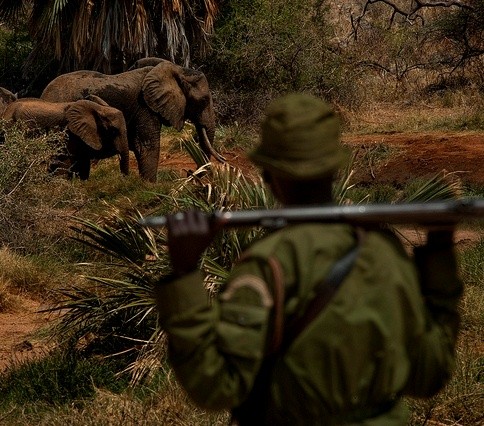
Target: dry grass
pixel 8 302
pixel 20 275
pixel 378 117
pixel 461 401
pixel 169 407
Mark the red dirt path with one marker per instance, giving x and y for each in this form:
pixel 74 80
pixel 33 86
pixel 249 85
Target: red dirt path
pixel 412 155
pixel 422 154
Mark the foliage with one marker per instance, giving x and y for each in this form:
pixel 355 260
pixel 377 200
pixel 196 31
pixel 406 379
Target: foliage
pixel 57 379
pixel 463 32
pixel 441 186
pixel 261 49
pixel 24 158
pixel 106 35
pixel 164 404
pixel 115 308
pixel 15 46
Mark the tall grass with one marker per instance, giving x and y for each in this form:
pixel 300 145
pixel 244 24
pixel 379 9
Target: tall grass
pixel 461 401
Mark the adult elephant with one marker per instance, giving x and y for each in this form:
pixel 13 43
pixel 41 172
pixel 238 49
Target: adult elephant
pixel 149 97
pixel 95 130
pixel 150 61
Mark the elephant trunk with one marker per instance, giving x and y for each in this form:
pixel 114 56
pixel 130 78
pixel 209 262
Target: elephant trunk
pixel 124 163
pixel 207 145
pixel 122 147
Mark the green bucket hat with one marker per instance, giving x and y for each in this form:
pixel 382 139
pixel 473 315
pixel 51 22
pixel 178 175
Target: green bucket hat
pixel 300 138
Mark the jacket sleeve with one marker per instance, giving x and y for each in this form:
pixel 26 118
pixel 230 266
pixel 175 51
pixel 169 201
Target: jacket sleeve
pixel 216 347
pixel 433 354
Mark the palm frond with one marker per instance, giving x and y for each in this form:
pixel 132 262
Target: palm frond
pixel 120 236
pixel 91 34
pixel 195 152
pixel 443 185
pixel 11 10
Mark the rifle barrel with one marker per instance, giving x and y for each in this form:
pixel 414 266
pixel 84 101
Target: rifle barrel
pixel 428 213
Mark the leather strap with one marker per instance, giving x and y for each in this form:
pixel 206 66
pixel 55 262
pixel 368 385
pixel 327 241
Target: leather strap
pixel 278 294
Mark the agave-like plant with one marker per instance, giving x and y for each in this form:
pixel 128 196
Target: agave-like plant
pixel 115 312
pixel 119 309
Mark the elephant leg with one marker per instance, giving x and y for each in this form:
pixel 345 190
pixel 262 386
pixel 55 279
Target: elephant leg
pixel 148 162
pixel 147 146
pixel 83 168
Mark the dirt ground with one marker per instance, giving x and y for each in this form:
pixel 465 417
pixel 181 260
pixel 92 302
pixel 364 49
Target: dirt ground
pixel 382 158
pixel 398 157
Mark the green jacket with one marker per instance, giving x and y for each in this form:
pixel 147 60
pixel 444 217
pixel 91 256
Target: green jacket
pixel 377 339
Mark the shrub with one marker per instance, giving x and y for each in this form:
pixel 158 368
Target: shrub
pixel 33 204
pixel 262 49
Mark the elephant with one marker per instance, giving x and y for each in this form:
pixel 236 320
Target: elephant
pixel 95 130
pixel 151 61
pixel 149 97
pixel 6 98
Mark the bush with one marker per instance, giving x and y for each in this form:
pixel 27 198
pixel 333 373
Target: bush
pixel 15 48
pixel 262 49
pixel 33 204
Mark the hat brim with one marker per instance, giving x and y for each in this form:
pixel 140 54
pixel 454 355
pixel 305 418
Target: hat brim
pixel 302 169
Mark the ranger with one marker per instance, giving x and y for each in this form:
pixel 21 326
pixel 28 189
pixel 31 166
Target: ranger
pixel 317 324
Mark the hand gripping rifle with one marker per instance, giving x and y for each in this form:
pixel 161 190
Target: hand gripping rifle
pixel 434 213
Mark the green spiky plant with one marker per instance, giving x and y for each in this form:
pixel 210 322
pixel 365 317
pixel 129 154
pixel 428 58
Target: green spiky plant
pixel 116 312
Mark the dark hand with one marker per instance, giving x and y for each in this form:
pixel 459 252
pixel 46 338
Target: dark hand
pixel 189 234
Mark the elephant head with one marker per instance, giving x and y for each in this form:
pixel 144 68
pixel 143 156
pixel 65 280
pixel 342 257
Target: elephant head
pixel 95 130
pixel 101 128
pixel 6 98
pixel 178 94
pixel 149 97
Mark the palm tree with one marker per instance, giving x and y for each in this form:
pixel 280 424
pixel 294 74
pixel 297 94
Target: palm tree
pixel 109 35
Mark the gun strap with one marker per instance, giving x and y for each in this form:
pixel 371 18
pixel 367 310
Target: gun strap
pixel 325 291
pixel 278 294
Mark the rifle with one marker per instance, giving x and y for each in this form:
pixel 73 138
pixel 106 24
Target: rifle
pixel 418 213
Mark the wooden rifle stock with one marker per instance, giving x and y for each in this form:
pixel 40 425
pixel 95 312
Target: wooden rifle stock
pixel 428 213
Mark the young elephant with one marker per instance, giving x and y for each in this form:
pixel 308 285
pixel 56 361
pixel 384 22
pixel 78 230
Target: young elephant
pixel 95 130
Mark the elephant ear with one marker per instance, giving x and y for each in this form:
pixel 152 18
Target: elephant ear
pixel 81 121
pixel 163 94
pixel 6 96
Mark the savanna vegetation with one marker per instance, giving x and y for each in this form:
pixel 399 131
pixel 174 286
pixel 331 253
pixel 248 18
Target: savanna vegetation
pixel 77 248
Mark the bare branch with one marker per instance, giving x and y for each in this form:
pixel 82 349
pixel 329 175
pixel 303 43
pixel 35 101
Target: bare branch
pixel 410 14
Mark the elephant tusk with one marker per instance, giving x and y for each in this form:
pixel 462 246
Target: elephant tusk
pixel 210 147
